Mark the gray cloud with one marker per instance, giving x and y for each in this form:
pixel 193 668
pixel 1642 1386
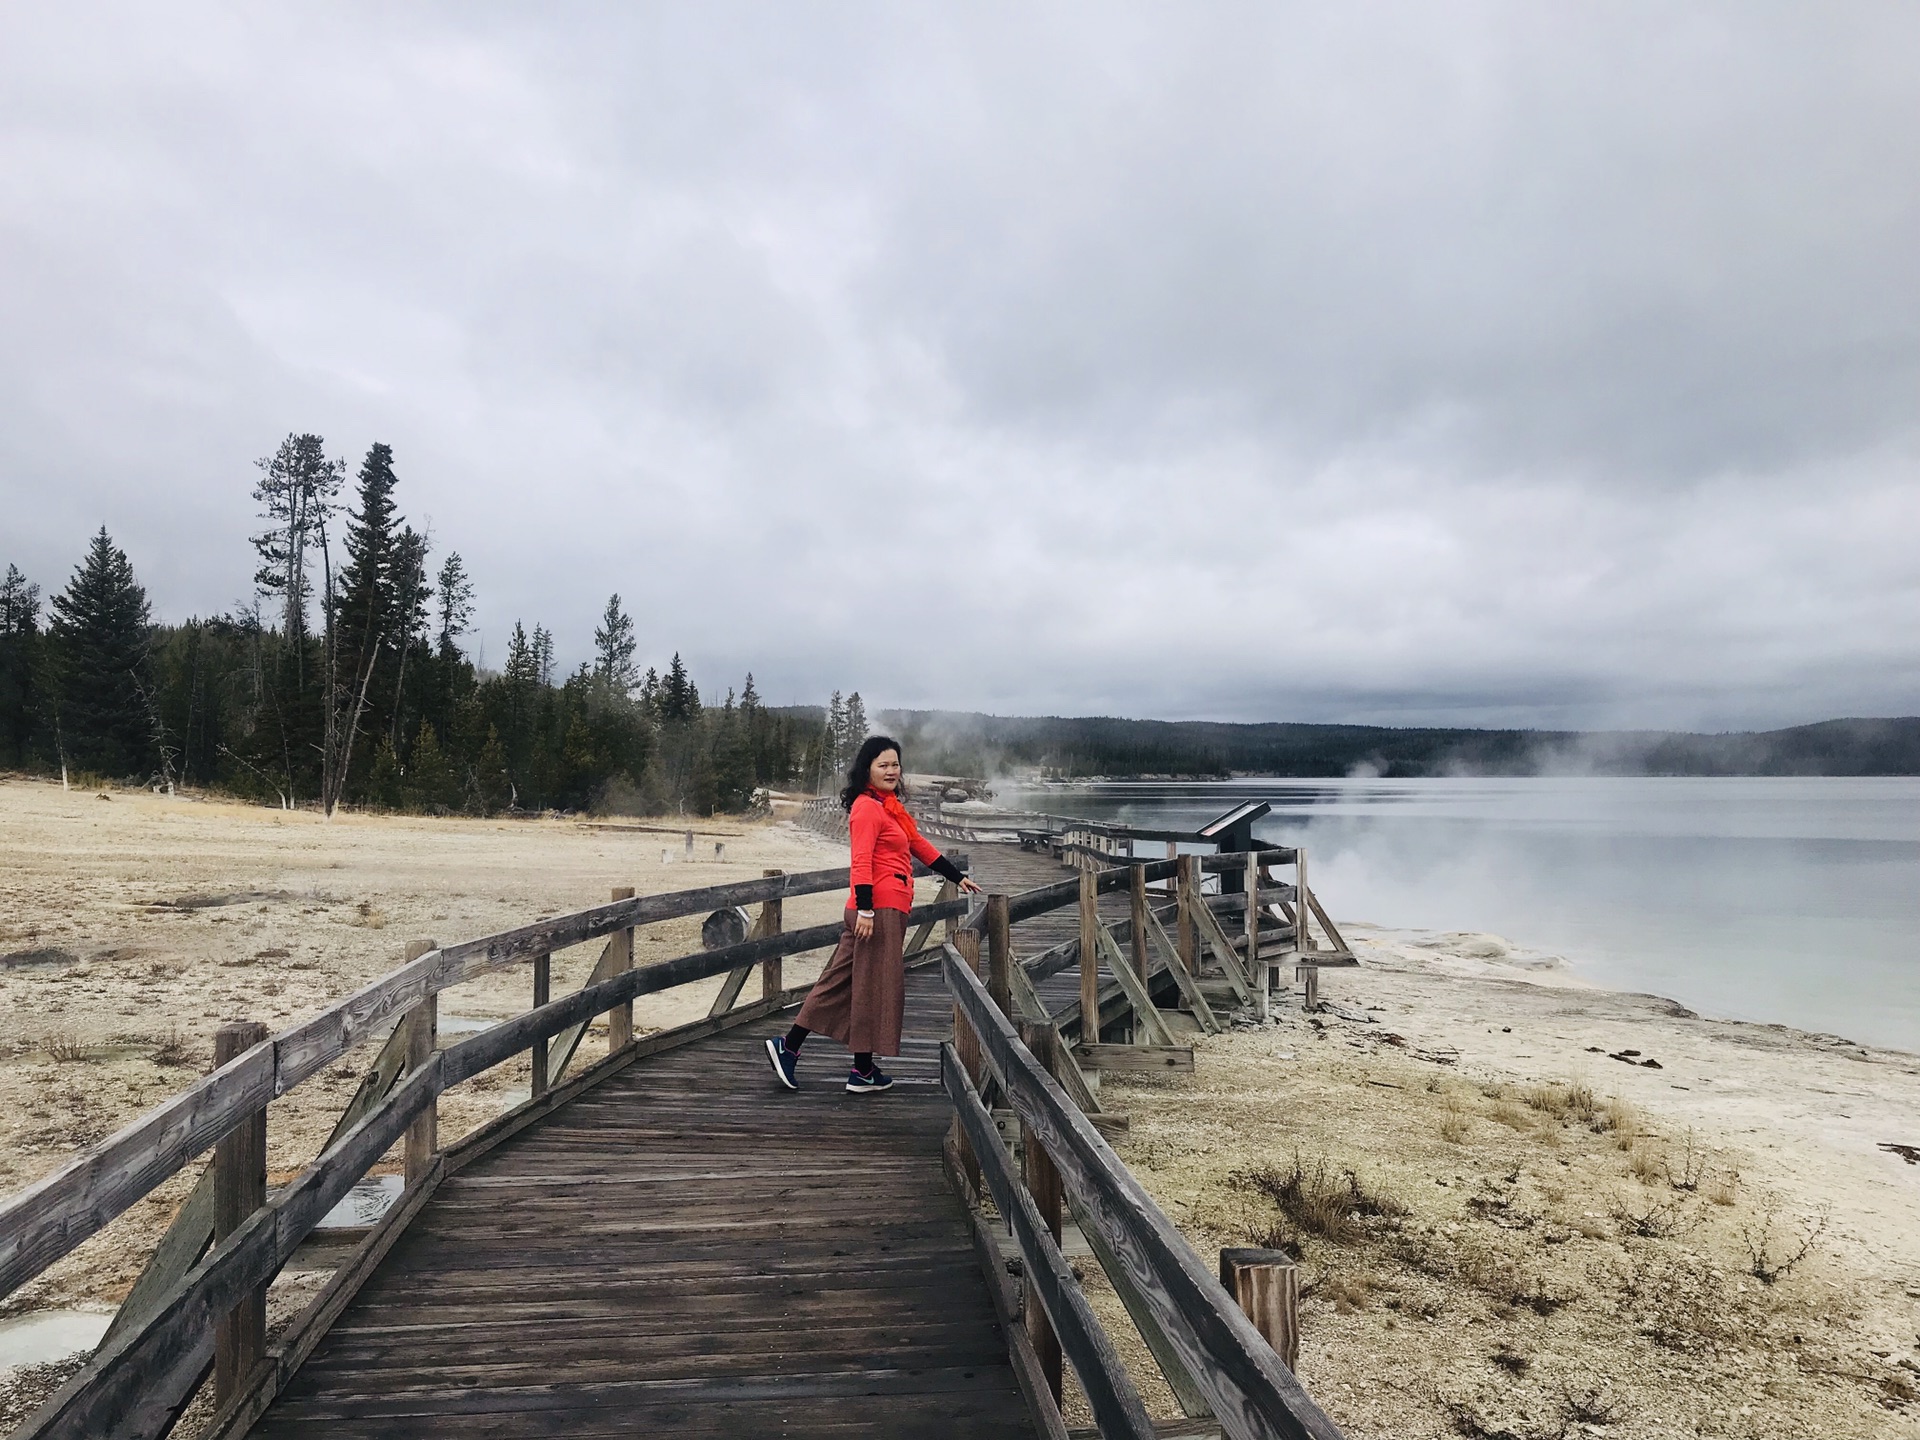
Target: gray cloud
pixel 1384 362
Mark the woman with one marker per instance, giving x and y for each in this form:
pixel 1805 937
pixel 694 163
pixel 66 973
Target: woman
pixel 860 999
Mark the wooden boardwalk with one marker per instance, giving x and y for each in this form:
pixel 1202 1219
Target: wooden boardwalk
pixel 687 1248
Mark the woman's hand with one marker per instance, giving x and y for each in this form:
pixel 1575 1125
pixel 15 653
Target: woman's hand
pixel 968 887
pixel 863 927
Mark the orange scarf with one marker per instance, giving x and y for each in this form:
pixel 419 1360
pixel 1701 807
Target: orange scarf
pixel 890 802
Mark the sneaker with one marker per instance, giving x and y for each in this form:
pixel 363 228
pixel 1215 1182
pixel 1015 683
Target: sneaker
pixel 784 1062
pixel 869 1083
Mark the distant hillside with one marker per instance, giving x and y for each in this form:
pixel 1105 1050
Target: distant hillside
pixel 960 743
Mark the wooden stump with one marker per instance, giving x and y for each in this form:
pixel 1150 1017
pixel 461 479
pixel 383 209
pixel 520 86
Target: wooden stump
pixel 772 918
pixel 1266 1285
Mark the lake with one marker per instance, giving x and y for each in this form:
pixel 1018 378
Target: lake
pixel 1788 900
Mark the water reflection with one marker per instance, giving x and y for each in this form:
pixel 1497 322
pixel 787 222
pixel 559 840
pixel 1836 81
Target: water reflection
pixel 1790 900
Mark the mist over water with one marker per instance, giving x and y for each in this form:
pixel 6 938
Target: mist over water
pixel 1794 901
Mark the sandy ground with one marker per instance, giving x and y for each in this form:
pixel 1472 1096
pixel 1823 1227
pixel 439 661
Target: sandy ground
pixel 1504 1230
pixel 132 927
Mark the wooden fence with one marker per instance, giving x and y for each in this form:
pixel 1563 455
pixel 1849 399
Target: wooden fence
pixel 199 1306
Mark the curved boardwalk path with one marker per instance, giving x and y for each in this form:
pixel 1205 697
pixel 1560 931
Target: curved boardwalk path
pixel 686 1248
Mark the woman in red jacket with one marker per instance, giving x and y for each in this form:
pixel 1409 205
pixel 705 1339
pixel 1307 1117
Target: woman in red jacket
pixel 860 998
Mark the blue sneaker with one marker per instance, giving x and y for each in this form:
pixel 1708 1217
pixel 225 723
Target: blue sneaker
pixel 868 1084
pixel 784 1062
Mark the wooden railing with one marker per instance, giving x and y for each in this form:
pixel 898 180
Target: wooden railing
pixel 1204 1341
pixel 164 1337
pixel 201 1298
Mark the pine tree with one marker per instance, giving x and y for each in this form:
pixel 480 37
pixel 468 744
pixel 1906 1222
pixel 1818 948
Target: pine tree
pixel 455 591
pixel 679 696
pixel 364 610
pixel 101 632
pixel 20 661
pixel 296 489
pixel 613 645
pixel 543 655
pixel 853 730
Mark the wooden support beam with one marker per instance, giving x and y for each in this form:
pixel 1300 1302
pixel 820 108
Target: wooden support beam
pixel 1136 1059
pixel 1266 1285
pixel 1208 925
pixel 620 960
pixel 239 1189
pixel 423 1038
pixel 1141 999
pixel 1189 987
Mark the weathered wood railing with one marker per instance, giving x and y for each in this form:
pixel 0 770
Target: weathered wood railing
pixel 152 1362
pixel 1205 1342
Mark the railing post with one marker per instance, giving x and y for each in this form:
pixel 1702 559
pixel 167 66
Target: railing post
pixel 1043 1184
pixel 1266 1285
pixel 1302 936
pixel 620 1017
pixel 966 1044
pixel 542 992
pixel 1188 936
pixel 239 1189
pixel 1256 967
pixel 1137 906
pixel 1089 958
pixel 423 1038
pixel 772 918
pixel 1000 953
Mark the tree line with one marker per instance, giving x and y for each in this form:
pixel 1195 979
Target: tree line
pixel 347 681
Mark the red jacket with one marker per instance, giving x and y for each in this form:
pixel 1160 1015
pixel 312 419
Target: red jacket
pixel 883 854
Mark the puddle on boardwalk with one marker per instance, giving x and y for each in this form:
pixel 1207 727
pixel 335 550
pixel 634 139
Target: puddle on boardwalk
pixel 365 1203
pixel 44 1336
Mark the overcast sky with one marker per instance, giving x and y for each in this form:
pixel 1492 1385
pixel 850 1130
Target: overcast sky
pixel 1471 363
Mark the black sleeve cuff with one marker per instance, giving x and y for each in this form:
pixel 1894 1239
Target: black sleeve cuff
pixel 947 870
pixel 863 897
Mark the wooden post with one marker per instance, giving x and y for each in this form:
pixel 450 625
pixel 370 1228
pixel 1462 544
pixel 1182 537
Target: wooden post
pixel 423 1038
pixel 239 1189
pixel 966 1044
pixel 1043 1183
pixel 1173 853
pixel 542 992
pixel 1256 967
pixel 620 1017
pixel 1137 904
pixel 1266 1285
pixel 689 845
pixel 1302 937
pixel 772 919
pixel 1000 953
pixel 1089 957
pixel 1187 936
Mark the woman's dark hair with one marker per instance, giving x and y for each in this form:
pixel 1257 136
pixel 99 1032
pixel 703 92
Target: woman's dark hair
pixel 860 774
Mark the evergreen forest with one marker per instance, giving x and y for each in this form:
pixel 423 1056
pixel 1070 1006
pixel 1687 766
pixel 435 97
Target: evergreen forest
pixel 347 681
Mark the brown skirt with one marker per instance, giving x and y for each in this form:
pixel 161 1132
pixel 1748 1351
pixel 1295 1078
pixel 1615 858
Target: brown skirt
pixel 860 999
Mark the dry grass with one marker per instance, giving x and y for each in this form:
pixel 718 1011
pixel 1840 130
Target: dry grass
pixel 1321 1202
pixel 172 1049
pixel 1513 1116
pixel 1455 1125
pixel 1566 1101
pixel 63 1046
